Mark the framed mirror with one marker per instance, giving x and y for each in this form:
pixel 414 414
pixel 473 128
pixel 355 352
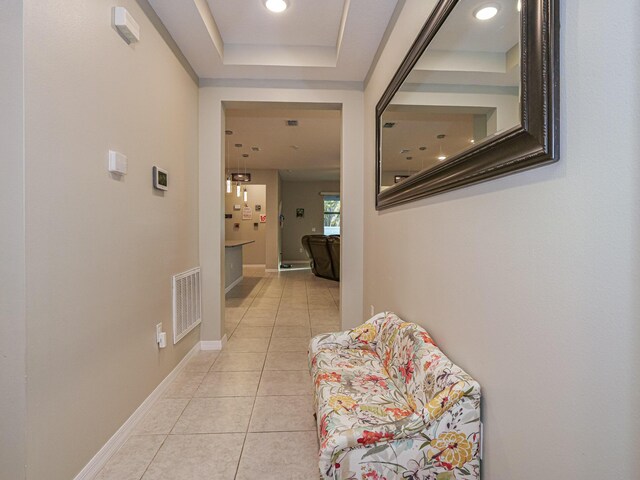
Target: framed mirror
pixel 475 98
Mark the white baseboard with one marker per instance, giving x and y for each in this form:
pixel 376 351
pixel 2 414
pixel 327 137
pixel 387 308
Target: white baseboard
pixel 236 282
pixel 118 439
pixel 213 344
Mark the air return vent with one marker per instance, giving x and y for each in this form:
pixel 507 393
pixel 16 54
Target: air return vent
pixel 186 303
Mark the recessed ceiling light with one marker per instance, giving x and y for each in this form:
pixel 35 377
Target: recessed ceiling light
pixel 228 132
pixel 292 123
pixel 245 155
pixel 255 149
pixel 423 148
pixel 486 12
pixel 238 145
pixel 276 6
pixel 389 125
pixel 442 157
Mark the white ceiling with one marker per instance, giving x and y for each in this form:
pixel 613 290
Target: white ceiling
pixel 328 40
pixel 317 138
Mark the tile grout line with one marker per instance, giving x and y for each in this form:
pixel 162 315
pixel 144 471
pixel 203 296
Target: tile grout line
pixel 246 433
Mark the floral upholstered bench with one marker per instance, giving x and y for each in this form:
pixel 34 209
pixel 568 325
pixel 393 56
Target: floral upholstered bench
pixel 390 405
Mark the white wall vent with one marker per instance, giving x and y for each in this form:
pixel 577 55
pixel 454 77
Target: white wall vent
pixel 186 303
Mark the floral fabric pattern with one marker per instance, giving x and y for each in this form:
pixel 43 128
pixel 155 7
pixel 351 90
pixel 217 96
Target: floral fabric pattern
pixel 391 405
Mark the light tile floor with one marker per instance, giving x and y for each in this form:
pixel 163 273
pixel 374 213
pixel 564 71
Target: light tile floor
pixel 246 412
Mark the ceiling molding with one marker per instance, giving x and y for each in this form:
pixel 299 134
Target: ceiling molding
pixel 383 42
pixel 293 84
pixel 166 36
pixel 210 24
pixel 343 24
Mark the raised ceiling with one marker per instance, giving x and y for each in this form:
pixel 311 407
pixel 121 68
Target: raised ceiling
pixel 328 40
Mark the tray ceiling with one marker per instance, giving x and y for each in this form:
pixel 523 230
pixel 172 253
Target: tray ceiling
pixel 331 40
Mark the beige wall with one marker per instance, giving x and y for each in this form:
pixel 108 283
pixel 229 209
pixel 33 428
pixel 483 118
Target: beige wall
pixel 302 195
pixel 211 124
pixel 100 250
pixel 531 282
pixel 253 253
pixel 12 246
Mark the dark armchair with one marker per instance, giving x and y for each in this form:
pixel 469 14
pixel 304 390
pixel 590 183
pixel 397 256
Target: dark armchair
pixel 324 253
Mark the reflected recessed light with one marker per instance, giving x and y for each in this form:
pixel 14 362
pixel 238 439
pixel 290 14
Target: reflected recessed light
pixel 486 12
pixel 472 141
pixel 276 6
pixel 442 157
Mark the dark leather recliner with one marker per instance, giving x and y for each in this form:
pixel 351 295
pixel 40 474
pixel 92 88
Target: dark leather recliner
pixel 324 253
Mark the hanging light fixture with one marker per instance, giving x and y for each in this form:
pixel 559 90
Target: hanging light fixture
pixel 244 156
pixel 442 156
pixel 226 158
pixel 238 145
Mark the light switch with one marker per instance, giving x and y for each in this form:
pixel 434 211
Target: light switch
pixel 117 163
pixel 313 229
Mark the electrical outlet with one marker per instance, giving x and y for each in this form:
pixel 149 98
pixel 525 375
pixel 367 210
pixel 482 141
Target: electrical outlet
pixel 158 332
pixel 373 311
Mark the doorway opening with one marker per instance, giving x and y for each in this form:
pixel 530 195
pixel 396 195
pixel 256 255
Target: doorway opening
pixel 282 168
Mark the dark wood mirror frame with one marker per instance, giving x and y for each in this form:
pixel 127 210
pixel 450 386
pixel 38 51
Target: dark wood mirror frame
pixel 533 143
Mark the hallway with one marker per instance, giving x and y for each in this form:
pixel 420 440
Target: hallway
pixel 245 412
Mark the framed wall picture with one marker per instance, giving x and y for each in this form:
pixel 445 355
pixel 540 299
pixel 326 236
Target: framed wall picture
pixel 247 213
pixel 263 218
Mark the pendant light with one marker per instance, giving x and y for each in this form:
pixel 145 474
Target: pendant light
pixel 226 158
pixel 245 193
pixel 238 170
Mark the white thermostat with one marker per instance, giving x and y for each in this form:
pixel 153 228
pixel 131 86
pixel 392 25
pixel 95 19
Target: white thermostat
pixel 117 163
pixel 160 179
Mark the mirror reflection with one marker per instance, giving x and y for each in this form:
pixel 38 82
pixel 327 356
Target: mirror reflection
pixel 464 89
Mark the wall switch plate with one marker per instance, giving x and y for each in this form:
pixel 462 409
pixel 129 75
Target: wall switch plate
pixel 373 311
pixel 313 229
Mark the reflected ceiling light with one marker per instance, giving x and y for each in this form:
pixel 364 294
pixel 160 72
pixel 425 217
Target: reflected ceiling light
pixel 486 12
pixel 442 156
pixel 276 6
pixel 519 6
